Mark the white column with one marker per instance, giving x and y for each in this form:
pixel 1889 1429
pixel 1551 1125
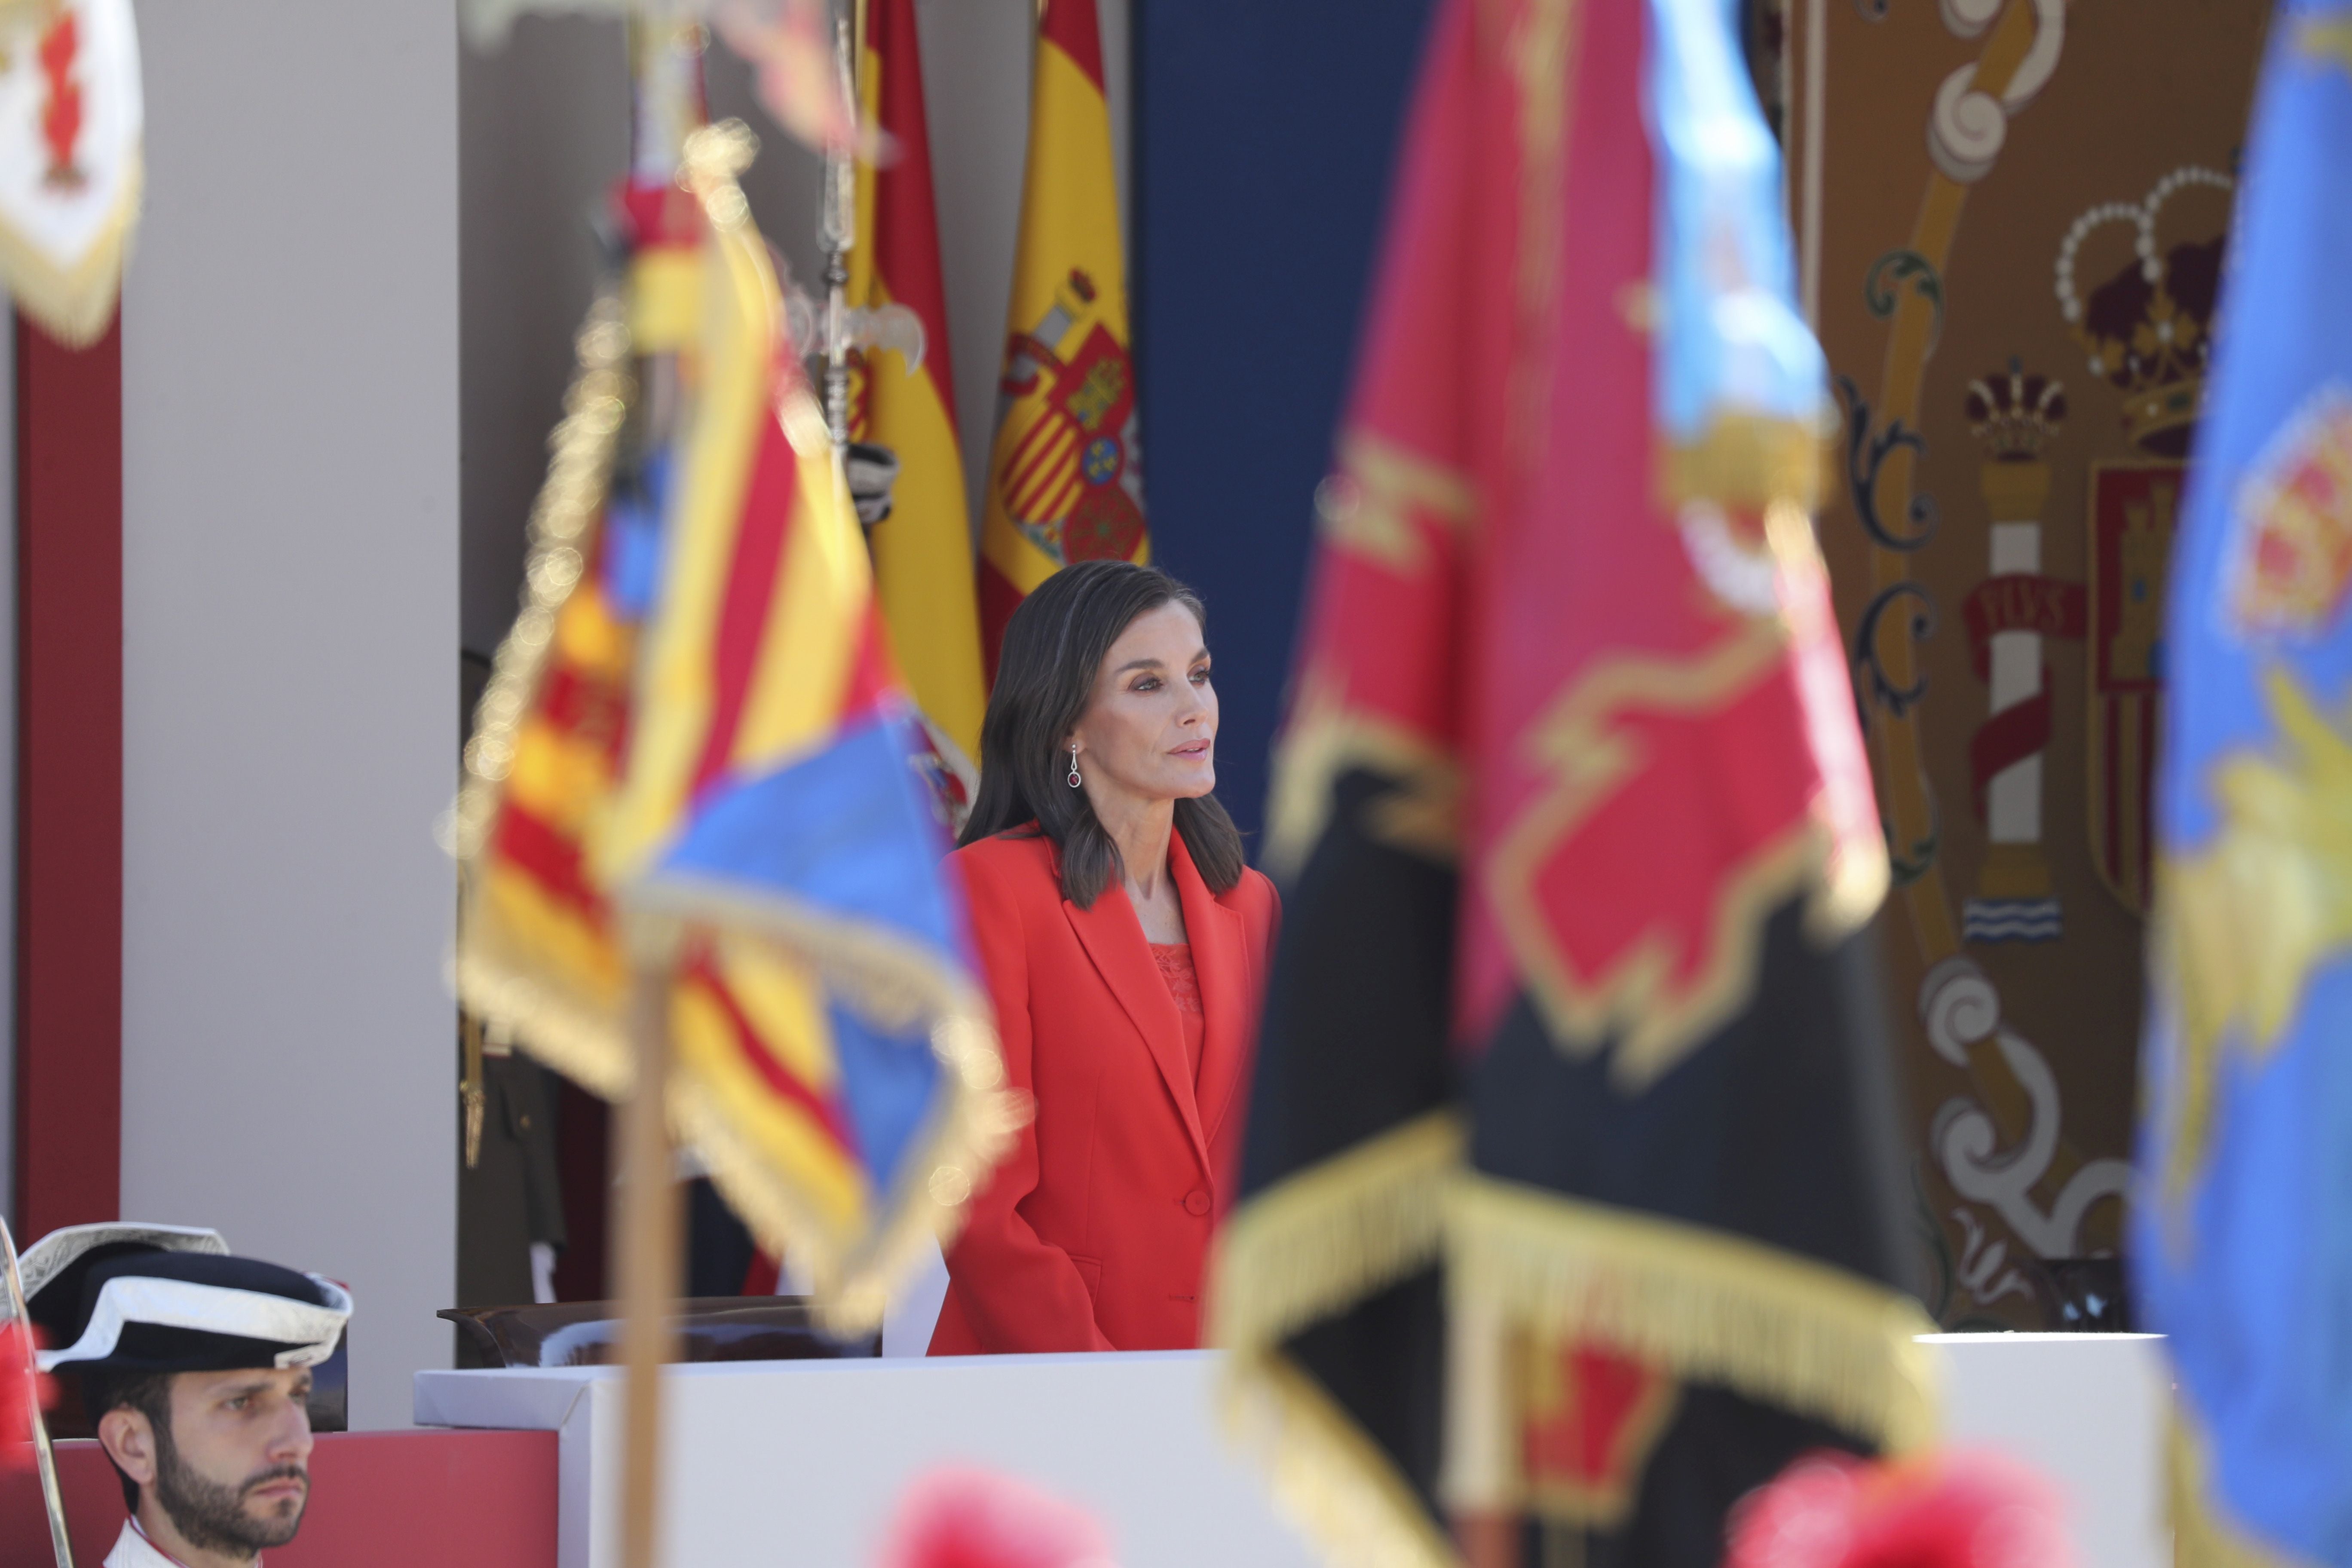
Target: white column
pixel 289 660
pixel 2014 798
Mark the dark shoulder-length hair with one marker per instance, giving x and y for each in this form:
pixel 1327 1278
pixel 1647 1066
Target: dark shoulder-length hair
pixel 1053 645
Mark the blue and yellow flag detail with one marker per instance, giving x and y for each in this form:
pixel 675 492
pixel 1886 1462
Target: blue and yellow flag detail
pixel 2242 1233
pixel 834 1065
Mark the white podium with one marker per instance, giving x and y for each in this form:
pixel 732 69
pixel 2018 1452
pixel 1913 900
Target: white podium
pixel 804 1462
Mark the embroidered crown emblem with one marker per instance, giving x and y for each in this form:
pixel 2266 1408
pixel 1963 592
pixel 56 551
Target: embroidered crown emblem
pixel 2147 328
pixel 2015 415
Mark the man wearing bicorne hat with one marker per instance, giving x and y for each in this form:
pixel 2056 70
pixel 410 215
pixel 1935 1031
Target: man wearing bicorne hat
pixel 195 1370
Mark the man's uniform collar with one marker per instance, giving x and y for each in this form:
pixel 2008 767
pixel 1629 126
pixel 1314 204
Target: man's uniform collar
pixel 133 1550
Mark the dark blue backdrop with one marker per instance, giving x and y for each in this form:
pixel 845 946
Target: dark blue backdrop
pixel 1264 134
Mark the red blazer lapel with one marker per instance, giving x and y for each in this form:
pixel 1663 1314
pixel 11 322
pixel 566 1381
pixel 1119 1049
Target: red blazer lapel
pixel 1114 939
pixel 1220 958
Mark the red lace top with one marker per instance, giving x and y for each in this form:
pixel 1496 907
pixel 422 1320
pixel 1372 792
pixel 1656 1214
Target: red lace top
pixel 1175 960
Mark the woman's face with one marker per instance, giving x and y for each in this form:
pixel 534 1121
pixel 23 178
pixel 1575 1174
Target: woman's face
pixel 1150 732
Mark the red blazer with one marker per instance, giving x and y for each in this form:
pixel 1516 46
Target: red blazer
pixel 1093 1232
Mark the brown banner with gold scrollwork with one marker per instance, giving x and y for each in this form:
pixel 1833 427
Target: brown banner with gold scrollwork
pixel 2023 205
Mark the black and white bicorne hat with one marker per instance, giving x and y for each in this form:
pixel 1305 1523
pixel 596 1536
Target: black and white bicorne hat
pixel 54 1267
pixel 153 1310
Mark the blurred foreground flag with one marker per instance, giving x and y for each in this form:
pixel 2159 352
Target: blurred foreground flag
pixel 539 958
pixel 1570 1206
pixel 1066 477
pixel 836 1067
pixel 2241 1244
pixel 922 551
pixel 72 116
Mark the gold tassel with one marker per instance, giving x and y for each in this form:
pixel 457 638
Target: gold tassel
pixel 1332 1483
pixel 1333 1234
pixel 586 1042
pixel 1706 1306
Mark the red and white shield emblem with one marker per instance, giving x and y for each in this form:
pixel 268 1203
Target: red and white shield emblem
pixel 70 121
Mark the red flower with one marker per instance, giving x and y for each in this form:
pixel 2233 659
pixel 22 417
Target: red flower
pixel 957 1517
pixel 19 1382
pixel 1944 1510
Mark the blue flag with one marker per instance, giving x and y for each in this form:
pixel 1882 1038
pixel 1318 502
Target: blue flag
pixel 2242 1235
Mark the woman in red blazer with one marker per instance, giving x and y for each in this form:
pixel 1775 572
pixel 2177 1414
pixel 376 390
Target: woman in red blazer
pixel 1125 945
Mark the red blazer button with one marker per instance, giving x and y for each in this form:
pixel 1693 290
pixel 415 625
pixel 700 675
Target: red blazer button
pixel 1196 1202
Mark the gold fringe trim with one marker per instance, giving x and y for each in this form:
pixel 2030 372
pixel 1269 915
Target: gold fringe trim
pixel 1326 737
pixel 2204 1535
pixel 1301 1250
pixel 585 1043
pixel 852 1283
pixel 1332 1234
pixel 1746 460
pixel 75 304
pixel 896 983
pixel 1701 1304
pixel 1333 1484
pixel 562 530
pixel 1706 1306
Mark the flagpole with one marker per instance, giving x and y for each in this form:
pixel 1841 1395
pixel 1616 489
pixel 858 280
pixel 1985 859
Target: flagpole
pixel 646 1264
pixel 837 229
pixel 1816 119
pixel 45 1459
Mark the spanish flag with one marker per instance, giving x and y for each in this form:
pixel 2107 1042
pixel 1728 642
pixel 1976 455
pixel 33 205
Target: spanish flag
pixel 1066 477
pixel 922 552
pixel 834 1065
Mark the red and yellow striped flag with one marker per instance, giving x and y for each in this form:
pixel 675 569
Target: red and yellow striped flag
pixel 922 552
pixel 1066 477
pixel 538 955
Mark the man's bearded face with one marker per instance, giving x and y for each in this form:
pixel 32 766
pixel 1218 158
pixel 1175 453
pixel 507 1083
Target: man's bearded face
pixel 231 1468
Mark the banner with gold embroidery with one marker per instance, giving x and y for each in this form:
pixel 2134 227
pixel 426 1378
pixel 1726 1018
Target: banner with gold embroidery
pixel 2018 238
pixel 2242 1232
pixel 1569 1211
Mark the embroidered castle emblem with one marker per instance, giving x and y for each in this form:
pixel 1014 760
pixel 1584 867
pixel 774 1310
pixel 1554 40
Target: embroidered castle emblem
pixel 2290 531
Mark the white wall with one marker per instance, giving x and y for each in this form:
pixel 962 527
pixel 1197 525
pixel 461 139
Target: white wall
pixel 290 610
pixel 543 129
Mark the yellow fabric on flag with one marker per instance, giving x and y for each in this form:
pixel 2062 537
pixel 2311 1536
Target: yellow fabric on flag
pixel 1064 477
pixel 736 370
pixel 923 550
